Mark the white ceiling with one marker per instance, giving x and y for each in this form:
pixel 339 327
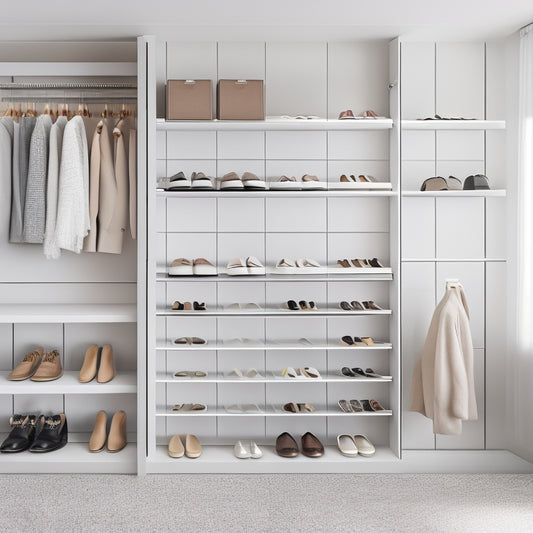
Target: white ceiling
pixel 264 19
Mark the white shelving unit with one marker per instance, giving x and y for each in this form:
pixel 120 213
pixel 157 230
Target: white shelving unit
pixel 456 125
pixel 69 304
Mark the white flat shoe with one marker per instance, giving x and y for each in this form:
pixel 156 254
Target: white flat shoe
pixel 240 451
pixel 364 446
pixel 181 267
pixel 251 373
pixel 310 372
pixel 305 263
pixel 347 445
pixel 289 372
pixel 255 267
pixel 236 267
pixel 285 183
pixel 230 181
pixel 285 263
pixel 255 451
pixel 252 182
pixel 235 373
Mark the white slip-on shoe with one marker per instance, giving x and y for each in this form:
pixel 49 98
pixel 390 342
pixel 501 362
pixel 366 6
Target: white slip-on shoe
pixel 252 182
pixel 285 263
pixel 251 373
pixel 364 446
pixel 255 451
pixel 290 372
pixel 200 181
pixel 231 181
pixel 181 267
pixel 347 445
pixel 178 182
pixel 255 267
pixel 285 183
pixel 307 263
pixel 202 267
pixel 312 183
pixel 235 373
pixel 237 267
pixel 310 372
pixel 240 451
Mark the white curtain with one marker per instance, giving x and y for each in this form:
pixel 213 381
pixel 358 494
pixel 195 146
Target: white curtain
pixel 521 354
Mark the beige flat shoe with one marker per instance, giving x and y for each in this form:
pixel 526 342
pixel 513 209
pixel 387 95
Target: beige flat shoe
pixel 50 367
pixel 251 181
pixel 28 366
pixel 117 438
pixel 90 365
pixel 364 446
pixel 106 371
pixel 99 434
pixel 310 182
pixel 193 448
pixel 181 267
pixel 231 180
pixel 175 447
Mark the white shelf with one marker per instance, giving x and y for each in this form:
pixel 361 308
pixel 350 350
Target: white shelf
pixel 349 274
pixel 66 313
pixel 122 383
pixel 269 346
pixel 269 412
pixel 274 125
pixel 453 124
pixel 331 193
pixel 73 458
pixel 452 260
pixel 269 378
pixel 220 459
pixel 273 312
pixel 457 194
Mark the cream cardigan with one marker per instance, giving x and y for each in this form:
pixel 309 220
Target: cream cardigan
pixel 443 379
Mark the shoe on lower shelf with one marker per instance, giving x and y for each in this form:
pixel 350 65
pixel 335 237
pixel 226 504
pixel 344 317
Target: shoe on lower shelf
pixel 21 435
pixel 175 447
pixel 364 446
pixel 311 446
pixel 51 433
pixel 99 434
pixel 193 448
pixel 347 446
pixel 117 438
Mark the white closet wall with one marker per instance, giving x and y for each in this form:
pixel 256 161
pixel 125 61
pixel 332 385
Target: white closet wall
pixel 454 235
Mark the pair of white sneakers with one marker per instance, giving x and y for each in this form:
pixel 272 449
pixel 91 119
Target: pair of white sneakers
pixel 247 450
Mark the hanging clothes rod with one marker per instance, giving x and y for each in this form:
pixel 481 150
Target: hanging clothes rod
pixel 71 99
pixel 66 85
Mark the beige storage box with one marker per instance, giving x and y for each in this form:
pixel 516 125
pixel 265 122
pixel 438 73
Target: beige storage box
pixel 189 100
pixel 240 100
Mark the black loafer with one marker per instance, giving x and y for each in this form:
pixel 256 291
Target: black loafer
pixel 51 434
pixel 22 434
pixel 347 372
pixel 347 340
pixel 292 305
pixel 359 372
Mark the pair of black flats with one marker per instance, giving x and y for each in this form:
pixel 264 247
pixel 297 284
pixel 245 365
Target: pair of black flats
pixel 36 434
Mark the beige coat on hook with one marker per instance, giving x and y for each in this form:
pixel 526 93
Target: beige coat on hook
pixel 443 379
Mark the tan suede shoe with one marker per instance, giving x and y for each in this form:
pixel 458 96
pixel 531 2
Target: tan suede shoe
pixel 50 367
pixel 193 448
pixel 175 447
pixel 27 367
pixel 117 438
pixel 99 434
pixel 90 365
pixel 106 371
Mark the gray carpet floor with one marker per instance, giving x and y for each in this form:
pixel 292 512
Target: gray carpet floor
pixel 267 503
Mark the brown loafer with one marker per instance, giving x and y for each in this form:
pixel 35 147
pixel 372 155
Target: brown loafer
pixel 50 367
pixel 286 446
pixel 311 446
pixel 27 367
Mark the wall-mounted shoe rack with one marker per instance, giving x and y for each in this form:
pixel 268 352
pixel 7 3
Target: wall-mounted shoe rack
pixel 69 303
pixel 323 225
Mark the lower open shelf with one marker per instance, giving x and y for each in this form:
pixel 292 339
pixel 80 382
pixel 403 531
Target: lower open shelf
pixel 74 458
pixel 221 459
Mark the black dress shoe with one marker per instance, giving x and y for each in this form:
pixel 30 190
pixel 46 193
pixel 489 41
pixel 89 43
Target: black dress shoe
pixel 22 434
pixel 52 434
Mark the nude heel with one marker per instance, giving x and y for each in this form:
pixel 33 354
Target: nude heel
pixel 90 364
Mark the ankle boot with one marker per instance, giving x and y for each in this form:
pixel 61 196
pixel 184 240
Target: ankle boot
pixel 99 434
pixel 90 364
pixel 106 371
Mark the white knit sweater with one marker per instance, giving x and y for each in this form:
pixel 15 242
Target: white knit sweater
pixel 72 223
pixel 51 249
pixel 443 379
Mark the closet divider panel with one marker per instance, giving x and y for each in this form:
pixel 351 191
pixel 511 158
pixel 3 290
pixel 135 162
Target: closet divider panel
pixel 496 228
pixel 238 145
pixel 346 62
pixel 239 214
pixel 296 78
pixel 8 359
pixel 460 228
pixel 418 228
pixel 418 146
pixel 415 172
pixel 460 80
pixel 418 304
pixel 241 60
pixel 496 359
pixel 418 80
